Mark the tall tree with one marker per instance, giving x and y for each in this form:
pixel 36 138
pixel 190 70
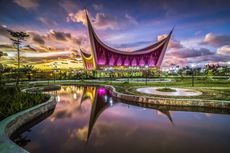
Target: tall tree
pixel 17 38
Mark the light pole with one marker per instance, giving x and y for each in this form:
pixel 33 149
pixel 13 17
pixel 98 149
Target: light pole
pixel 146 69
pixel 54 70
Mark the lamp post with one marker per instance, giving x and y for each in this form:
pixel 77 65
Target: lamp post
pixel 146 69
pixel 54 70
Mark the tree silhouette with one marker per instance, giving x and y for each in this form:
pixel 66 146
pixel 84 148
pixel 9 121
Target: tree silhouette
pixel 28 70
pixel 1 66
pixel 2 54
pixel 17 38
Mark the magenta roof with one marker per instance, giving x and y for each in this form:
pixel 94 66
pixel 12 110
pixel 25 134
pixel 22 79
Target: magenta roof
pixel 104 55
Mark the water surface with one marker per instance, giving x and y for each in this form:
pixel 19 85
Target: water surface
pixel 89 120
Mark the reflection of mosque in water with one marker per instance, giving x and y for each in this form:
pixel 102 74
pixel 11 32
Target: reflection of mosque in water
pixel 100 99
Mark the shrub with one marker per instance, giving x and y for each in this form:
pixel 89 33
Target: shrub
pixel 13 101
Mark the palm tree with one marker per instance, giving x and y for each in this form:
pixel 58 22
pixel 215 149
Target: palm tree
pixel 17 38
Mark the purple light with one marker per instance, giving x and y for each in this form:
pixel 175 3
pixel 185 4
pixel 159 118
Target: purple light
pixel 101 91
pixel 126 63
pixel 142 62
pixel 111 62
pixel 134 62
pixel 119 61
pixel 151 61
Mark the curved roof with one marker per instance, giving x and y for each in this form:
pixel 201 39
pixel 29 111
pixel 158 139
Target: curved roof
pixel 151 55
pixel 139 51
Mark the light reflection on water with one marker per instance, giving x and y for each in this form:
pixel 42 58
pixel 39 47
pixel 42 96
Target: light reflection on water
pixel 88 119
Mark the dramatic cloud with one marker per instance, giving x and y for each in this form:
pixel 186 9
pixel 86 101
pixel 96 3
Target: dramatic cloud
pixel 175 44
pixel 56 41
pixel 47 21
pixel 128 28
pixel 79 16
pixel 56 35
pixel 4 31
pixel 173 8
pixel 27 4
pixel 47 48
pixel 6 46
pixel 69 6
pixel 160 37
pixel 103 21
pixel 80 40
pixel 224 50
pixel 216 40
pixel 184 55
pixel 172 43
pixel 36 38
pixel 46 55
pixel 215 58
pixel 190 52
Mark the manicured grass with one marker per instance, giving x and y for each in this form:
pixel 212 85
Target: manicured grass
pixel 13 101
pixel 166 90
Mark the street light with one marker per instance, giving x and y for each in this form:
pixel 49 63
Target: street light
pixel 146 68
pixel 54 70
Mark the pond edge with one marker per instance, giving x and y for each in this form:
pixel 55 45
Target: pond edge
pixel 12 123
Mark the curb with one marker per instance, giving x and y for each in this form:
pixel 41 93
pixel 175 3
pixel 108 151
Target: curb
pixel 12 123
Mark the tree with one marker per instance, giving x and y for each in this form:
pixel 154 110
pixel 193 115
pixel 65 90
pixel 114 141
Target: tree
pixel 3 54
pixel 210 74
pixel 1 66
pixel 17 38
pixel 1 72
pixel 28 69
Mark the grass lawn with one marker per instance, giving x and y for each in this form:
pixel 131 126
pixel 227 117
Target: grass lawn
pixel 165 89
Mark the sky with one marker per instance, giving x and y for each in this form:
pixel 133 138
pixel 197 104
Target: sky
pixel 57 29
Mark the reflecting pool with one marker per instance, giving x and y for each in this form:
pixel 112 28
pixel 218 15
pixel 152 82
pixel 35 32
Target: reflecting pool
pixel 88 120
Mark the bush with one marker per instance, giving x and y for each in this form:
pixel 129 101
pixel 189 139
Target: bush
pixel 13 100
